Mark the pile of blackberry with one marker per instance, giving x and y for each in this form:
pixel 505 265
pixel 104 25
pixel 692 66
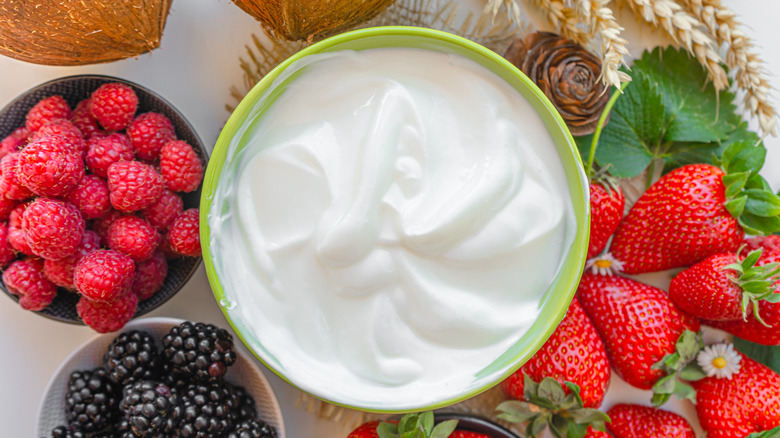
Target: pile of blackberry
pixel 176 391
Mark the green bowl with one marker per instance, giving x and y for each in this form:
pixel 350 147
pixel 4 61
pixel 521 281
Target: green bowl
pixel 554 303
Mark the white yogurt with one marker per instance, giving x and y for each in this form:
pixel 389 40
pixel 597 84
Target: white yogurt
pixel 389 226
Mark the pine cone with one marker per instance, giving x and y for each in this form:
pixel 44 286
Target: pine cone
pixel 567 74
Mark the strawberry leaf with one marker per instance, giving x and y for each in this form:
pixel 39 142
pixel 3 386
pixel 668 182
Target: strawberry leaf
pixel 444 429
pixel 772 433
pixel 692 372
pixel 768 355
pixel 387 430
pixel 671 112
pixel 551 390
pixel 762 203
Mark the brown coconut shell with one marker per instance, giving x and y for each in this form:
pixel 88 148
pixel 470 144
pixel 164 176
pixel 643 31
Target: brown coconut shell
pixel 76 32
pixel 311 20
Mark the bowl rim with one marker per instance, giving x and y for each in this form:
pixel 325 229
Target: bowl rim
pixel 555 302
pixel 138 324
pixel 190 127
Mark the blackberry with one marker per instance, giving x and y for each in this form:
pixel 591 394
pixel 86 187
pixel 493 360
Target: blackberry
pixel 200 350
pixel 67 432
pixel 243 405
pixel 253 428
pixel 150 407
pixel 91 400
pixel 174 379
pixel 132 356
pixel 207 410
pixel 124 430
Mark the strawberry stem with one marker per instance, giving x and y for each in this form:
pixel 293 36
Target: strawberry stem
pixel 599 126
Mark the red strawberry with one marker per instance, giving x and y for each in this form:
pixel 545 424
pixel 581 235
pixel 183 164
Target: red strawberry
pixel 365 430
pixel 573 353
pixel 770 243
pixel 723 287
pixel 467 434
pixel 606 210
pixel 635 421
pixel 638 323
pixel 751 328
pixel 746 403
pixel 678 221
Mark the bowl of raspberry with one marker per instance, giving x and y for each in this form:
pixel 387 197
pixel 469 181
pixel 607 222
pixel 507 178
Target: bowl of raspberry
pixel 150 379
pixel 100 181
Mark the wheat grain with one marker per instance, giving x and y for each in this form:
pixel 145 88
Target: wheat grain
pixel 746 66
pixel 564 19
pixel 686 30
pixel 601 22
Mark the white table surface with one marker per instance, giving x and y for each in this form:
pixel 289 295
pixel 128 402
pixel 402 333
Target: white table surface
pixel 193 69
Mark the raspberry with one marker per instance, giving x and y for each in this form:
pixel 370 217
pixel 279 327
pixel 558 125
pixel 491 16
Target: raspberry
pixel 113 105
pixel 7 254
pixel 134 237
pixel 50 166
pixel 6 207
pixel 62 128
pixel 14 142
pixel 165 247
pixel 183 234
pixel 17 237
pixel 24 278
pixel 53 228
pixel 102 152
pixel 60 272
pixel 53 107
pixel 90 196
pixel 161 213
pixel 10 186
pixel 84 120
pixel 133 185
pixel 104 275
pixel 102 224
pixel 105 317
pixel 148 133
pixel 150 276
pixel 180 166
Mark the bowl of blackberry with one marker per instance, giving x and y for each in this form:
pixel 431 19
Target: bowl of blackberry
pixel 99 187
pixel 160 377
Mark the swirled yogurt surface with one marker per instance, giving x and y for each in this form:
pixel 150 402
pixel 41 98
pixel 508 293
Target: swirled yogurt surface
pixel 390 224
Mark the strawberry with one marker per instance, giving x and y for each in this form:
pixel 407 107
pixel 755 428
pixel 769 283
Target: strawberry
pixel 724 287
pixel 635 421
pixel 638 323
pixel 746 403
pixel 696 211
pixel 574 353
pixel 751 328
pixel 770 244
pixel 417 425
pixel 606 210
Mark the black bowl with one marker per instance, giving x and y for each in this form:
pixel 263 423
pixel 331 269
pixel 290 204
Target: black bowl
pixel 73 89
pixel 473 423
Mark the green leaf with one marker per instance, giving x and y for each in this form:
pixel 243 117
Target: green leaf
pixel 576 430
pixel 588 416
pixel 757 225
pixel 684 153
pixel 426 419
pixel 692 372
pixel 538 425
pixel 766 354
pixel 387 430
pixel 444 429
pixel 659 399
pixel 551 390
pixel 699 112
pixel 530 388
pixel 684 391
pixel 736 206
pixel 743 157
pixel 735 182
pixel 665 385
pixel 688 345
pixel 762 203
pixel 771 433
pixel 751 258
pixel 515 411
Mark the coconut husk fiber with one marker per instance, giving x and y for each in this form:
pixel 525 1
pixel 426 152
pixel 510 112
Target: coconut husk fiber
pixel 311 20
pixel 77 32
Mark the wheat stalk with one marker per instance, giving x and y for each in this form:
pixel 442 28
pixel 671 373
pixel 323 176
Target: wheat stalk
pixel 602 22
pixel 686 30
pixel 492 7
pixel 723 26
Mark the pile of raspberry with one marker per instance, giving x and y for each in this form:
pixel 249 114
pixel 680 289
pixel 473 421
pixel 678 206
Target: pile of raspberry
pixel 90 203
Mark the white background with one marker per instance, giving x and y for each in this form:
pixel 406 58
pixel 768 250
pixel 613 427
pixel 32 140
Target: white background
pixel 193 69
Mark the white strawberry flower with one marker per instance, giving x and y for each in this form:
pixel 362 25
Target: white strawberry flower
pixel 604 264
pixel 719 360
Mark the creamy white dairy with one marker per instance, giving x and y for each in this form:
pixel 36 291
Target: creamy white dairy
pixel 389 226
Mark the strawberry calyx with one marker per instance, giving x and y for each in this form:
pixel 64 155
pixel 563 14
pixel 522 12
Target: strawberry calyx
pixel 416 425
pixel 749 198
pixel 757 282
pixel 679 366
pixel 771 433
pixel 547 404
